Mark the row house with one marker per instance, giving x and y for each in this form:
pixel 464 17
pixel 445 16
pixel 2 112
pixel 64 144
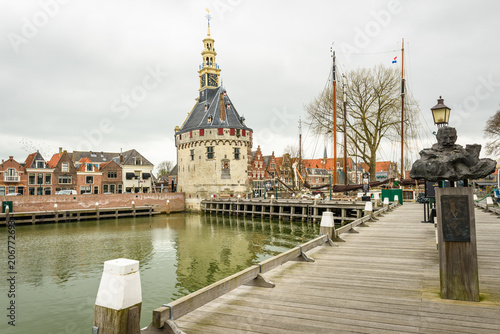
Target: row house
pixel 11 174
pixel 88 176
pixel 64 171
pixel 38 176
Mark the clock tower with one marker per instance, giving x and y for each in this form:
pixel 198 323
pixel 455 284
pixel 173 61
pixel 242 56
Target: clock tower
pixel 209 70
pixel 214 145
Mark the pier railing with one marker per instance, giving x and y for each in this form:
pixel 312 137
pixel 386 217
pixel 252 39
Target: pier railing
pixel 167 313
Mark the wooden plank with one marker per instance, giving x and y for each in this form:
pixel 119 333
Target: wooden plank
pixel 188 303
pixel 278 260
pixel 383 280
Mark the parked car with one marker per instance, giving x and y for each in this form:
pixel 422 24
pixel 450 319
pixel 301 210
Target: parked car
pixel 13 194
pixel 66 192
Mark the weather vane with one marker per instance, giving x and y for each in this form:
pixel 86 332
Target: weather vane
pixel 209 17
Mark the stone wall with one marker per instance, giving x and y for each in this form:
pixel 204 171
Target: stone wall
pixel 70 202
pixel 197 174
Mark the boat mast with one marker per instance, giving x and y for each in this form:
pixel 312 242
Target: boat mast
pixel 334 79
pixel 402 106
pixel 345 129
pixel 300 146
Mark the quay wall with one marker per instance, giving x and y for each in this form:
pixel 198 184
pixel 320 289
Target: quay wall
pixel 86 201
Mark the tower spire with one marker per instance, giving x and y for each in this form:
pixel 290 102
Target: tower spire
pixel 209 17
pixel 209 70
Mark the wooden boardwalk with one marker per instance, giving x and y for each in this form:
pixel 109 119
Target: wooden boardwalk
pixel 384 279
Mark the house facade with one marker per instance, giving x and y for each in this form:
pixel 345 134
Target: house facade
pixel 38 177
pixel 11 173
pixel 88 177
pixel 112 178
pixel 64 175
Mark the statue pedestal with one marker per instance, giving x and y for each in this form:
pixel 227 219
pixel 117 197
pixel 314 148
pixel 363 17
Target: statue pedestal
pixel 458 269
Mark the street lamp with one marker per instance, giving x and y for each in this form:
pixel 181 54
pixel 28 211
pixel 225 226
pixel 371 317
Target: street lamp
pixel 441 113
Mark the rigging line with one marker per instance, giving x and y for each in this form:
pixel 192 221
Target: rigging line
pixel 367 53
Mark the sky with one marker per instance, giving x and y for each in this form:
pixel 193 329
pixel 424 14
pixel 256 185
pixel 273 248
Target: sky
pixel 115 75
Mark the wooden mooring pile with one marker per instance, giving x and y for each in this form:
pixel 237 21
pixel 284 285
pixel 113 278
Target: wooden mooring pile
pixel 290 209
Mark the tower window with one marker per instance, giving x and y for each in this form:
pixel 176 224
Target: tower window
pixel 192 155
pixel 210 152
pixel 231 132
pixel 209 120
pixel 221 131
pixel 202 132
pixel 243 132
pixel 236 153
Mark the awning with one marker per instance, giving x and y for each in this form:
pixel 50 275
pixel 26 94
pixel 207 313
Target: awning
pixel 146 176
pixel 129 176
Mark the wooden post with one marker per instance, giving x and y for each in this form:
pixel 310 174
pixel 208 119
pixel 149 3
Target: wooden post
pixel 119 298
pixel 327 226
pixel 56 213
pixel 133 208
pixel 458 269
pixel 97 210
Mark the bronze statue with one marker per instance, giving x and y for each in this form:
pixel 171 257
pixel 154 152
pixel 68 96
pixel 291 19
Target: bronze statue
pixel 449 161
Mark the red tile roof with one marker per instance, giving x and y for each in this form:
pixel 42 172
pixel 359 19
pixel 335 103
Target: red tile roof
pixel 52 163
pixel 29 160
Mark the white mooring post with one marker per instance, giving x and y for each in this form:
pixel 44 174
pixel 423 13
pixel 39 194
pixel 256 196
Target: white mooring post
pixel 327 225
pixel 7 214
pixel 489 203
pixel 386 203
pixel 167 210
pixel 119 298
pixel 369 209
pixel 396 200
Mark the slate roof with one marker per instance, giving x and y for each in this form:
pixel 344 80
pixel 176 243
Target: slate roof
pixel 96 157
pixel 173 171
pixel 198 117
pixel 102 157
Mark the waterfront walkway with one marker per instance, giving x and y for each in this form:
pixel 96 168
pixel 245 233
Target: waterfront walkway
pixel 383 280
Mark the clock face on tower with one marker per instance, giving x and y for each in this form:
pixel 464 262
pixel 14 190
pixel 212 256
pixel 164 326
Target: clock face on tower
pixel 212 80
pixel 203 81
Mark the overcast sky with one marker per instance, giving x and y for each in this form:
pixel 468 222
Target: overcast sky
pixel 111 75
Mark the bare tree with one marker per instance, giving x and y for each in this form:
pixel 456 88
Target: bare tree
pixel 164 168
pixel 492 130
pixel 373 112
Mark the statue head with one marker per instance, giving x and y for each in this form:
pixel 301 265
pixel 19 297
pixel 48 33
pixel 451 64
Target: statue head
pixel 446 137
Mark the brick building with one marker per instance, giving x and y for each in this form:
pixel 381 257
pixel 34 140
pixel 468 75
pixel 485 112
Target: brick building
pixel 111 177
pixel 64 171
pixel 38 176
pixel 11 173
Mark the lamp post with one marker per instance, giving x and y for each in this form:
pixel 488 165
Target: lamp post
pixel 440 113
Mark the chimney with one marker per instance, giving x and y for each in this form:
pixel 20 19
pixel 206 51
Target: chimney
pixel 60 151
pixel 121 159
pixel 222 109
pixel 11 157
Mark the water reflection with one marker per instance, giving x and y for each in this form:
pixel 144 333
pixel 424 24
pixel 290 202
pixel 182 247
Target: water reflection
pixel 60 265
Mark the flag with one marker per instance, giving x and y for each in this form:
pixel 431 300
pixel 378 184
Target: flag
pixel 395 60
pixel 207 10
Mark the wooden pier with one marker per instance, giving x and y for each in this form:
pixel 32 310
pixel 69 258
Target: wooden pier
pixel 304 210
pixel 384 279
pixel 63 216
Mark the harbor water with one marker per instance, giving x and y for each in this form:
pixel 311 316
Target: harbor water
pixel 59 266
